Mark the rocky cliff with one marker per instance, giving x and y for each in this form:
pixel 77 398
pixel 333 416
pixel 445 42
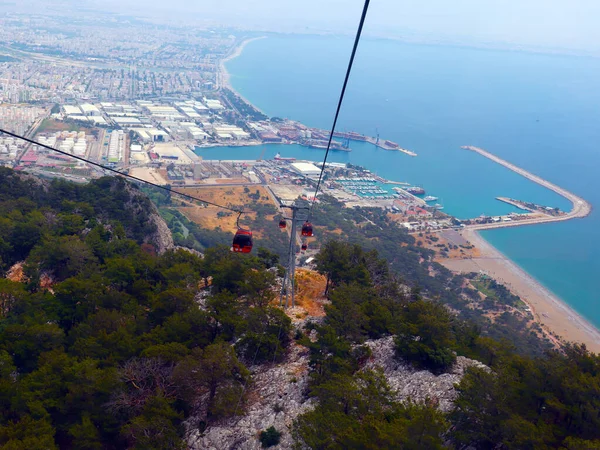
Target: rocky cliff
pixel 279 394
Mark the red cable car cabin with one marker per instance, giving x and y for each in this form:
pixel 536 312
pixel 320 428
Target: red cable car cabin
pixel 304 247
pixel 242 241
pixel 307 229
pixel 282 224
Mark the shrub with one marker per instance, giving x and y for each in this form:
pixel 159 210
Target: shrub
pixel 270 437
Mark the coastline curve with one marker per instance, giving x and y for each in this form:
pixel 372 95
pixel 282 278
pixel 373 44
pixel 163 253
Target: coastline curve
pixel 580 207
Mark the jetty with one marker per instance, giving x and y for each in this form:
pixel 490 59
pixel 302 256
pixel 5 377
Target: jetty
pixel 580 208
pixel 514 203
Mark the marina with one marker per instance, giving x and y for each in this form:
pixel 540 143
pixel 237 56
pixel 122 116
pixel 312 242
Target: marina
pixel 480 188
pixel 580 208
pixel 365 188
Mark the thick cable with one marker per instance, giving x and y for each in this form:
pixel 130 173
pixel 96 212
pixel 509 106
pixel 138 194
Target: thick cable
pixel 191 197
pixel 341 99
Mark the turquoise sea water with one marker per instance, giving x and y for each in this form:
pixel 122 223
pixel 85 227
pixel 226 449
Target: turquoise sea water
pixel 541 112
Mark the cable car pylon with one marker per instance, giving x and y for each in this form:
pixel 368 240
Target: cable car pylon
pixel 289 279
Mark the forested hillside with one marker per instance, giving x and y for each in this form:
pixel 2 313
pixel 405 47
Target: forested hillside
pixel 520 402
pixel 108 343
pixel 115 352
pixel 373 229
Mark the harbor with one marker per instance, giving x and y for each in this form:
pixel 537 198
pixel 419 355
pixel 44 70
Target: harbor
pixel 365 188
pixel 376 141
pixel 580 207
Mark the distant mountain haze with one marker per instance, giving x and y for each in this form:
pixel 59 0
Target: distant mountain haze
pixel 547 24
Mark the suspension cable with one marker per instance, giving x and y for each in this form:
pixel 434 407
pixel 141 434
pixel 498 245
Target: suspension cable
pixel 341 99
pixel 164 188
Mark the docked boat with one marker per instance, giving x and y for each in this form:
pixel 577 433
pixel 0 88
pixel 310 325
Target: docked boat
pixel 278 157
pixel 430 198
pixel 416 190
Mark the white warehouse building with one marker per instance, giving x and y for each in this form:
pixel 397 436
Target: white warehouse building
pixel 306 169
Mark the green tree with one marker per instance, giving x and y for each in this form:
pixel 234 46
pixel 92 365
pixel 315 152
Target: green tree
pixel 267 335
pixel 27 433
pixel 169 302
pixel 269 437
pixel 531 403
pixel 425 336
pixel 64 256
pixel 85 435
pixel 258 287
pixel 156 428
pixel 26 342
pixel 360 412
pixel 342 262
pixel 226 313
pixel 346 314
pixel 216 372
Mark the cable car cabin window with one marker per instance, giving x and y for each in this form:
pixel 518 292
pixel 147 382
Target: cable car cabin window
pixel 304 247
pixel 282 224
pixel 242 242
pixel 307 229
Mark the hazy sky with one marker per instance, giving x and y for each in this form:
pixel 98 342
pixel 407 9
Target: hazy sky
pixel 551 23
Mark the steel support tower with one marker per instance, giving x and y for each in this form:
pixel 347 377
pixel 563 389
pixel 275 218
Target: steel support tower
pixel 289 279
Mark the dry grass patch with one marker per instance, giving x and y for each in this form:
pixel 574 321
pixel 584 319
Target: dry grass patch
pixel 310 289
pixel 213 217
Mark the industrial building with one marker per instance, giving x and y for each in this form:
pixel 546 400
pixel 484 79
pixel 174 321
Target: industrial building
pixel 171 153
pixel 71 110
pixel 116 146
pixel 90 110
pixel 306 169
pixel 214 104
pixel 126 122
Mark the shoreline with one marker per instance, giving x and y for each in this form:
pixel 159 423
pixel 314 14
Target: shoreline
pixel 223 76
pixel 554 314
pixel 551 312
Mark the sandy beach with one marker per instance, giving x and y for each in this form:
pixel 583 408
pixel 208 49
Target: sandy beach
pixel 553 313
pixel 549 310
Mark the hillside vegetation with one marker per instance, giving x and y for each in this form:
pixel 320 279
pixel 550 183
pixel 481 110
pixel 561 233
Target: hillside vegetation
pixel 106 343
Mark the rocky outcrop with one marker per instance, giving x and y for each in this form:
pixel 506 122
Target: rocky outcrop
pixel 276 397
pixel 418 385
pixel 279 394
pixel 162 239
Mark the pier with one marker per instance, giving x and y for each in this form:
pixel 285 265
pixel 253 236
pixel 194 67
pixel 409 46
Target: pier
pixel 514 203
pixel 581 208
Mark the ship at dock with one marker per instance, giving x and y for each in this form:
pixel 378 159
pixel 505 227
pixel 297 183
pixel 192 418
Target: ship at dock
pixel 351 135
pixel 278 157
pixel 322 145
pixel 416 190
pixel 379 143
pixel 430 198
